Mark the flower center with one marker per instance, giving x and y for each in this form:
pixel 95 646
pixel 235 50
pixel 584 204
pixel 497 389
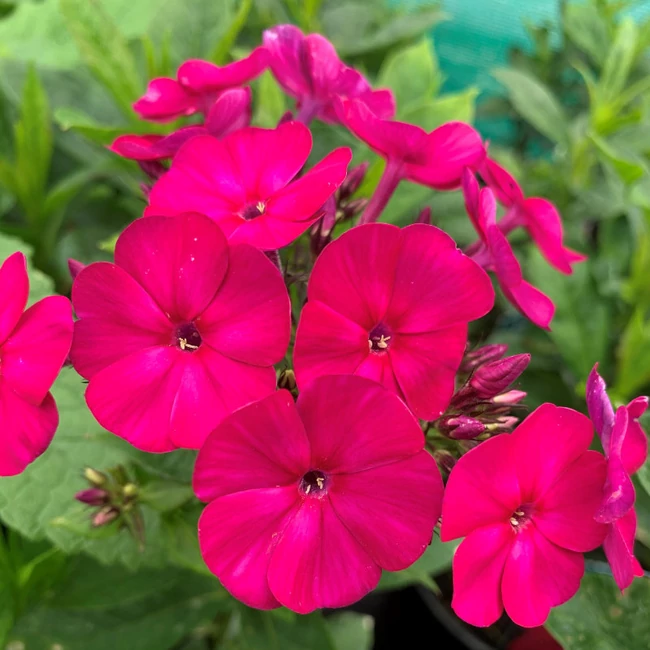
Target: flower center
pixel 253 210
pixel 188 337
pixel 521 516
pixel 314 483
pixel 379 338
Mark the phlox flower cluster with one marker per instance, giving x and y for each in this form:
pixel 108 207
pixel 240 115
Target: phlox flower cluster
pixel 313 490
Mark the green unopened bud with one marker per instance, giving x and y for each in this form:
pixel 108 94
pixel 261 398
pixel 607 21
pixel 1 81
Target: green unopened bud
pixel 94 477
pixel 130 490
pixel 287 379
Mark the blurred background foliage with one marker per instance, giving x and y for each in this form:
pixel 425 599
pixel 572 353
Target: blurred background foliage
pixel 568 113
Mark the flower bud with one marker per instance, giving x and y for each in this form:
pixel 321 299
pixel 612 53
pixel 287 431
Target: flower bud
pixel 92 497
pixel 492 378
pixel 94 477
pixel 460 427
pixel 105 516
pixel 287 116
pixel 352 181
pixel 482 355
pixel 75 268
pixel 152 168
pixel 424 216
pixel 130 490
pixel 509 398
pixel 353 208
pixel 444 459
pixel 287 379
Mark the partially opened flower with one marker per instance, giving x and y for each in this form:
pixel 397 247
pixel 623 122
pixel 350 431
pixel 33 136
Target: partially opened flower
pixel 539 216
pixel 230 111
pixel 435 159
pixel 309 69
pixel 392 305
pixel 33 346
pixel 244 182
pixel 197 87
pixel 495 254
pixel 525 504
pixel 626 448
pixel 310 501
pixel 182 330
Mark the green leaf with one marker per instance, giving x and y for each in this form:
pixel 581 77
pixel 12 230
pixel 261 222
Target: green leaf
pixel 436 559
pixel 104 49
pixel 165 495
pixel 633 356
pixel 600 618
pixel 226 42
pixel 33 147
pixel 351 631
pixel 581 326
pixel 619 61
pixel 413 74
pixel 628 165
pixel 535 103
pixel 587 28
pixel 435 112
pixel 270 102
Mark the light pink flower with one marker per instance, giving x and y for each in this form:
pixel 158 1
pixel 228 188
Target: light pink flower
pixel 525 503
pixel 33 346
pixel 309 69
pixel 197 87
pixel 626 448
pixel 539 216
pixel 310 501
pixel 182 330
pixel 230 111
pixel 495 254
pixel 244 182
pixel 392 305
pixel 435 159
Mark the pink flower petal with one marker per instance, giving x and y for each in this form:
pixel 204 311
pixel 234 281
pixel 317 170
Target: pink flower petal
pixel 391 510
pixel 477 569
pixel 501 182
pixel 446 153
pixel 165 100
pixel 32 356
pixel 327 343
pixel 354 424
pixel 249 318
pixel 286 47
pixel 26 430
pixel 380 102
pixel 600 407
pixel 179 261
pixel 203 76
pixel 268 233
pixel 565 514
pixel 425 367
pixel 619 549
pixel 203 178
pixel 635 444
pixel 268 159
pixel 379 368
pixel 140 411
pixel 230 112
pixel 239 553
pixel 531 302
pixel 538 575
pixel 461 292
pixel 545 444
pixel 482 489
pixel 355 274
pixel 15 284
pixel 325 67
pixel 117 317
pixel 262 445
pixel 139 147
pixel 318 563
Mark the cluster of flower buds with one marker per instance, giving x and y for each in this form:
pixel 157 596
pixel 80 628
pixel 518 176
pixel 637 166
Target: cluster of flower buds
pixel 112 496
pixel 483 405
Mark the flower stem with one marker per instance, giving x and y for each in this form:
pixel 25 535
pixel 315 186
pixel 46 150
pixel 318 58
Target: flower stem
pixel 387 185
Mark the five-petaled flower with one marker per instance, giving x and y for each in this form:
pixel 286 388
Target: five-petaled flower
pixel 626 448
pixel 33 346
pixel 308 68
pixel 244 182
pixel 495 253
pixel 310 501
pixel 525 503
pixel 179 332
pixel 392 305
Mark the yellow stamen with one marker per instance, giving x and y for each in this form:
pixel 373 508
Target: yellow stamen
pixel 514 522
pixel 320 482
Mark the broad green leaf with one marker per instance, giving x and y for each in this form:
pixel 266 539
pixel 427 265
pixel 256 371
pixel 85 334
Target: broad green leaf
pixel 633 356
pixel 226 42
pixel 270 102
pixel 436 559
pixel 104 50
pixel 434 112
pixel 181 541
pixel 165 495
pixel 587 28
pixel 581 326
pixel 33 147
pixel 351 631
pixel 600 618
pixel 618 62
pixel 413 74
pixel 629 166
pixel 535 103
